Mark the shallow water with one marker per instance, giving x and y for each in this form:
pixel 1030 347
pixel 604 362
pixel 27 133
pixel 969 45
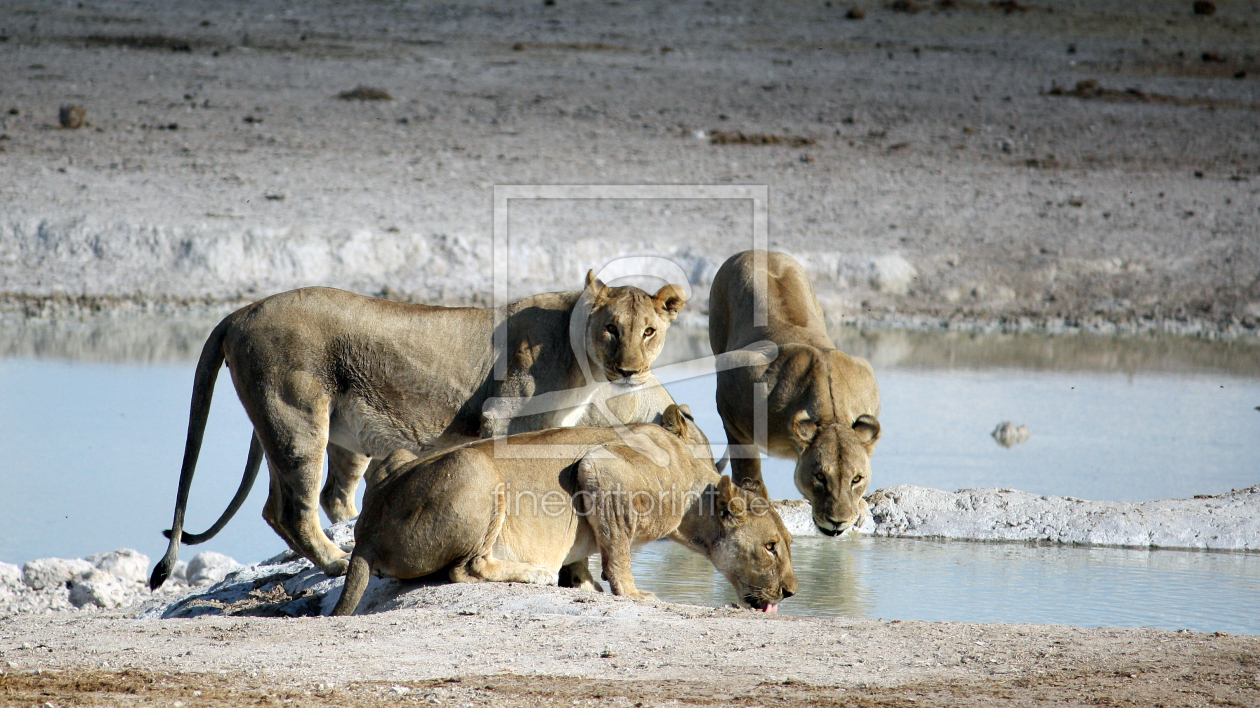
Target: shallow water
pixel 93 416
pixel 893 578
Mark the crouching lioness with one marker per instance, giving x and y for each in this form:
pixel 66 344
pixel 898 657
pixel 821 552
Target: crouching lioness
pixel 483 514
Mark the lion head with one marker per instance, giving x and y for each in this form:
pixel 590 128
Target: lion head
pixel 751 547
pixel 833 468
pixel 626 327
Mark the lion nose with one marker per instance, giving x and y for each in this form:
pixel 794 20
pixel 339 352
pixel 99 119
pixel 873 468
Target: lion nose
pixel 626 373
pixel 787 593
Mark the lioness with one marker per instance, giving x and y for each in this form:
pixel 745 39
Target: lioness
pixel 822 405
pixel 321 369
pixel 481 516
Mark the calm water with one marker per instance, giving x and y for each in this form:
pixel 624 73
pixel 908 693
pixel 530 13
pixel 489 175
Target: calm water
pixel 93 418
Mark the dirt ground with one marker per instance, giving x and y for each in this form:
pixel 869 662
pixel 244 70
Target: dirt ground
pixel 1052 165
pixel 512 645
pixel 1084 164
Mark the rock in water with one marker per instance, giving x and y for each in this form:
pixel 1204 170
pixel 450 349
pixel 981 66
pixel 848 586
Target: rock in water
pixel 1007 434
pixel 125 563
pixel 49 572
pixel 209 567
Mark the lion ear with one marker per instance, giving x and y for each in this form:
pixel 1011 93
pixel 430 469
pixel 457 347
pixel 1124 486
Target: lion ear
pixel 867 429
pixel 803 429
pixel 673 421
pixel 594 285
pixel 730 504
pixel 669 301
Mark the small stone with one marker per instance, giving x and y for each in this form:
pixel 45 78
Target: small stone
pixel 208 567
pixel 1204 7
pixel 1007 434
pixel 10 575
pixel 72 116
pixel 399 690
pixel 365 93
pixel 856 13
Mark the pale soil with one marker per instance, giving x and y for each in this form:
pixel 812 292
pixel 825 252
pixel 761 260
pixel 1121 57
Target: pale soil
pixel 935 138
pixel 526 645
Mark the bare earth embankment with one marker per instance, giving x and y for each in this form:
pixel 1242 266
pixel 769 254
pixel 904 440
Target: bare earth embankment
pixel 1058 166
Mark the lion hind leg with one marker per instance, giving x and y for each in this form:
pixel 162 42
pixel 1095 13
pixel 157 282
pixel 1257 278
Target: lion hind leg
pixel 293 428
pixel 356 584
pixel 482 566
pixel 345 469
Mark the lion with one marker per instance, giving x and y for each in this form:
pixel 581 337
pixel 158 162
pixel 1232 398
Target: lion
pixel 319 369
pixel 480 515
pixel 821 405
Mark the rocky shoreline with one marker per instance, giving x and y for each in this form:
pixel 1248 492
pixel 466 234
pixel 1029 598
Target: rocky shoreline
pixel 211 583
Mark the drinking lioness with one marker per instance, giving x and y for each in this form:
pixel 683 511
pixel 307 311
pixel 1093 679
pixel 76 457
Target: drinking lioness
pixel 483 514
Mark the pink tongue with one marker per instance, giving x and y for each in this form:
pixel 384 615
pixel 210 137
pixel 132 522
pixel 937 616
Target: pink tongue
pixel 772 609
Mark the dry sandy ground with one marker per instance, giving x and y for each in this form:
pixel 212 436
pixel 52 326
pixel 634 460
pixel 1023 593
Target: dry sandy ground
pixel 219 163
pixel 526 645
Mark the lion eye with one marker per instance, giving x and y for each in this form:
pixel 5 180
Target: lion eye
pixel 772 546
pixel 857 480
pixel 649 332
pixel 820 478
pixel 612 329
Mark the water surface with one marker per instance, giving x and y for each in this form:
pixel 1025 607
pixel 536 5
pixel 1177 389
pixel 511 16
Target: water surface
pixel 93 417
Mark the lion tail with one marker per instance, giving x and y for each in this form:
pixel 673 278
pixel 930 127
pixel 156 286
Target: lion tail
pixel 203 391
pixel 356 583
pixel 252 463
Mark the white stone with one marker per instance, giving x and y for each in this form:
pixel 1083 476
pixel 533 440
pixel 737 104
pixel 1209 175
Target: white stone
pixel 126 563
pixel 1007 434
pixel 892 274
pixel 46 573
pixel 10 576
pixel 1221 522
pixel 209 567
pixel 97 587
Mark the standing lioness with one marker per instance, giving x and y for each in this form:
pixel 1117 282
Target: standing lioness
pixel 822 405
pixel 497 517
pixel 326 370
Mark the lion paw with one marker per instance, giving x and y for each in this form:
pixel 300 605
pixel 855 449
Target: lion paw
pixel 542 576
pixel 337 568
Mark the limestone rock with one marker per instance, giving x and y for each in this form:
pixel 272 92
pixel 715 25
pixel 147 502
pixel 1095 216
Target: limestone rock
pixel 98 587
pixel 125 563
pixel 51 572
pixel 209 567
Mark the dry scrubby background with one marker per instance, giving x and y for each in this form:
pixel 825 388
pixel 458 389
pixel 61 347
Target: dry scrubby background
pixel 932 161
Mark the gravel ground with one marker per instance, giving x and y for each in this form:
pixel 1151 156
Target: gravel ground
pixel 942 163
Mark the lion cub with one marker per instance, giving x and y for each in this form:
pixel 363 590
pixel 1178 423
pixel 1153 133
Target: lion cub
pixel 485 511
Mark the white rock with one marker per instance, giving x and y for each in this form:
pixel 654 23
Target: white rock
pixel 125 563
pixel 1007 434
pixel 10 576
pixel 97 587
pixel 892 274
pixel 1225 522
pixel 209 567
pixel 46 573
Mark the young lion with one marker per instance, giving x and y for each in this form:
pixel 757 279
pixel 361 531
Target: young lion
pixel 487 517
